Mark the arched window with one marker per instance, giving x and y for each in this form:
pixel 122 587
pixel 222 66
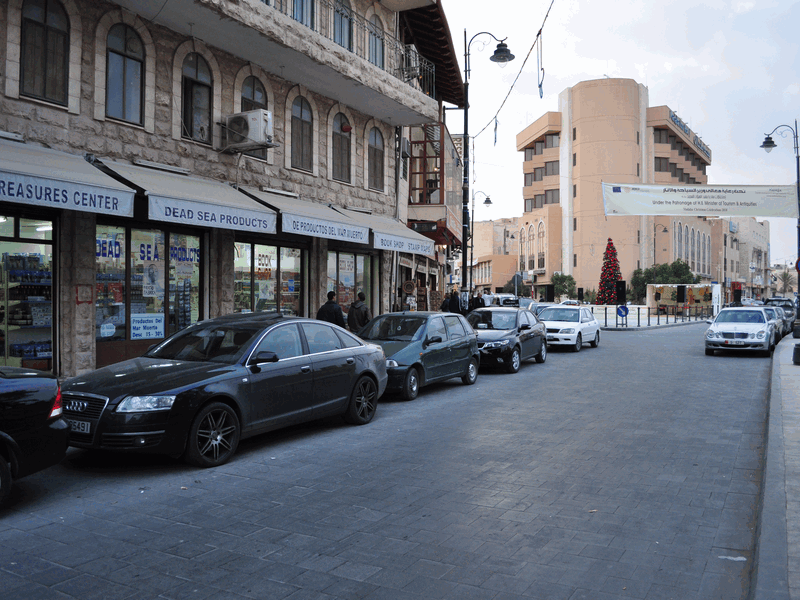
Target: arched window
pixel 540 245
pixel 303 11
pixel 375 160
pixel 254 97
pixel 343 24
pixel 704 254
pixel 376 41
pixel 124 74
pixel 341 148
pixel 44 63
pixel 197 86
pixel 708 243
pixel 302 135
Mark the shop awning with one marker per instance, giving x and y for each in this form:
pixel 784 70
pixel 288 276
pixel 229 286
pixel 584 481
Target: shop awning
pixel 391 234
pixel 43 177
pixel 186 200
pixel 312 219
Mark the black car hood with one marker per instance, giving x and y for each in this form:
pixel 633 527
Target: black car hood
pixel 491 335
pixel 142 376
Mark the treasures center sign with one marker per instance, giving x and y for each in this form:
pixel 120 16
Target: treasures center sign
pixel 700 200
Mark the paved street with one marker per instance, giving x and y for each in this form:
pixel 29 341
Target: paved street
pixel 626 471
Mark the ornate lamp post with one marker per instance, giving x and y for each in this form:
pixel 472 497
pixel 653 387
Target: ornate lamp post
pixel 501 55
pixel 768 145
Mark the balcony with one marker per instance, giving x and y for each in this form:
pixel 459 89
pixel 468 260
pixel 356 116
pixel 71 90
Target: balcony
pixel 332 52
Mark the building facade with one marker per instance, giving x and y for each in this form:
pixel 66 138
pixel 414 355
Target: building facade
pixel 605 131
pixel 163 163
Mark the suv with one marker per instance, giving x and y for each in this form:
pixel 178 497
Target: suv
pixel 787 304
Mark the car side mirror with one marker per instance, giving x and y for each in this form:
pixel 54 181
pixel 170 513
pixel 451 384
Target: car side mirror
pixel 437 339
pixel 524 326
pixel 265 356
pixel 709 321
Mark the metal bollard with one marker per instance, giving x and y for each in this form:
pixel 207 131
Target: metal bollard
pixel 796 354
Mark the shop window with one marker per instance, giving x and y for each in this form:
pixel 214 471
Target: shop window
pixel 147 284
pixel 197 82
pixel 302 135
pixel 375 159
pixel 45 43
pixel 110 284
pixel 349 274
pixel 341 148
pixel 124 74
pixel 254 97
pixel 26 293
pixel 257 271
pixel 184 281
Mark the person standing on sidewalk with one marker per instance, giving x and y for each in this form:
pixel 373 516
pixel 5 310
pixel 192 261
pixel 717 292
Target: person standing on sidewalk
pixel 331 311
pixel 359 314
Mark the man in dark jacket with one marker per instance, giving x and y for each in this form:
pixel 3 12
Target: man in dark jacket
pixel 359 314
pixel 455 303
pixel 331 311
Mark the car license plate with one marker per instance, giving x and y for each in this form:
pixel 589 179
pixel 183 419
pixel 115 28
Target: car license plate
pixel 735 342
pixel 551 338
pixel 80 426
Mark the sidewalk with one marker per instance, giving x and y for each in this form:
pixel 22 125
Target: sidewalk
pixel 777 563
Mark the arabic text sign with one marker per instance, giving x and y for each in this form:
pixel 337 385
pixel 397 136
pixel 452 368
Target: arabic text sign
pixel 700 200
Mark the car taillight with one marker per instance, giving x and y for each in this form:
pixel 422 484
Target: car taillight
pixel 58 408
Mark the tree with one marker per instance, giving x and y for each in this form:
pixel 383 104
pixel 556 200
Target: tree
pixel 675 273
pixel 590 296
pixel 785 281
pixel 564 285
pixel 607 292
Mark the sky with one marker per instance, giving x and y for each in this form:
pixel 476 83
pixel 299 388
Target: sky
pixel 730 70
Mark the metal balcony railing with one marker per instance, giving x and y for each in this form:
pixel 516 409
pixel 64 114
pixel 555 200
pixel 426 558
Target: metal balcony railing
pixel 353 32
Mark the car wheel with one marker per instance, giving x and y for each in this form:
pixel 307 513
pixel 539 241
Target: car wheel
pixel 596 341
pixel 363 402
pixel 213 437
pixel 513 361
pixel 709 352
pixel 542 356
pixel 471 376
pixel 411 384
pixel 578 344
pixel 5 479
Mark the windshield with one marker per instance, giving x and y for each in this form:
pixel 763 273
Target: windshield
pixel 493 319
pixel 220 343
pixel 740 316
pixel 559 314
pixel 396 328
pixel 771 312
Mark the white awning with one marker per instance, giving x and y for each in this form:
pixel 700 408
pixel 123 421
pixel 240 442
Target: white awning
pixel 186 200
pixel 391 234
pixel 43 177
pixel 313 219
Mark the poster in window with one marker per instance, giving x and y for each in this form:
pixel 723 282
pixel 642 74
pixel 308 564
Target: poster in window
pixel 153 282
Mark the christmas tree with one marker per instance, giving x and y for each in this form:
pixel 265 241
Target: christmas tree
pixel 607 294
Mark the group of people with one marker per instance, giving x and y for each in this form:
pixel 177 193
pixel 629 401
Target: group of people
pixel 357 316
pixel 452 303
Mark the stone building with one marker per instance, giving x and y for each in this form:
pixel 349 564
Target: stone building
pixel 164 162
pixel 605 131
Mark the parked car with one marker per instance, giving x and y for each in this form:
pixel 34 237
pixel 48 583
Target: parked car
pixel 33 434
pixel 424 347
pixel 775 320
pixel 740 328
pixel 787 304
pixel 200 391
pixel 570 326
pixel 528 303
pixel 570 302
pixel 788 319
pixel 508 335
pixel 537 310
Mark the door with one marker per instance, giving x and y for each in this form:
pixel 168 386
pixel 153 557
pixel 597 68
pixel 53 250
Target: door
pixel 589 325
pixel 436 356
pixel 459 345
pixel 281 391
pixel 527 337
pixel 334 367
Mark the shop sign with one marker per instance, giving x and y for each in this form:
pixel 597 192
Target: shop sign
pixel 15 187
pixel 395 243
pixel 321 228
pixel 147 326
pixel 219 216
pixel 406 262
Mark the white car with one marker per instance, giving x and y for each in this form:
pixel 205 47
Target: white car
pixel 741 328
pixel 570 326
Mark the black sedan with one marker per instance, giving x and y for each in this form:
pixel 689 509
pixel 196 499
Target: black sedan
pixel 33 435
pixel 507 336
pixel 200 391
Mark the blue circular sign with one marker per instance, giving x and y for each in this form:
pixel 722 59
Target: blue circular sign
pixel 622 311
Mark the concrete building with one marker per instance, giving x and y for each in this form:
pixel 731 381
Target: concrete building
pixel 166 162
pixel 754 269
pixel 605 131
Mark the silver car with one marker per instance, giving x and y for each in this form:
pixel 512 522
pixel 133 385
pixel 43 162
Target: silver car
pixel 777 321
pixel 740 328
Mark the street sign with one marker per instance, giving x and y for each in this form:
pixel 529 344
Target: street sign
pixel 622 311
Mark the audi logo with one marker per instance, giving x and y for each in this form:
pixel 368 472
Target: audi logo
pixel 77 405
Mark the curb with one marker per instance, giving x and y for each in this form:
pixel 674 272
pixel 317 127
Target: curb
pixel 648 327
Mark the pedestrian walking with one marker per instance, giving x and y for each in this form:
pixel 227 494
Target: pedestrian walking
pixel 331 311
pixel 359 313
pixel 455 303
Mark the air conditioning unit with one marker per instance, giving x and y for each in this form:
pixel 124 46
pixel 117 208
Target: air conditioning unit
pixel 248 131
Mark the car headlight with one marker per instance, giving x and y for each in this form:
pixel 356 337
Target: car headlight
pixel 498 344
pixel 145 403
pixel 713 334
pixel 391 363
pixel 760 335
pixel 568 331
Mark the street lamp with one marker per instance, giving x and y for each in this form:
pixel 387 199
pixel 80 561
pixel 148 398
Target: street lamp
pixel 768 145
pixel 487 202
pixel 656 230
pixel 501 55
